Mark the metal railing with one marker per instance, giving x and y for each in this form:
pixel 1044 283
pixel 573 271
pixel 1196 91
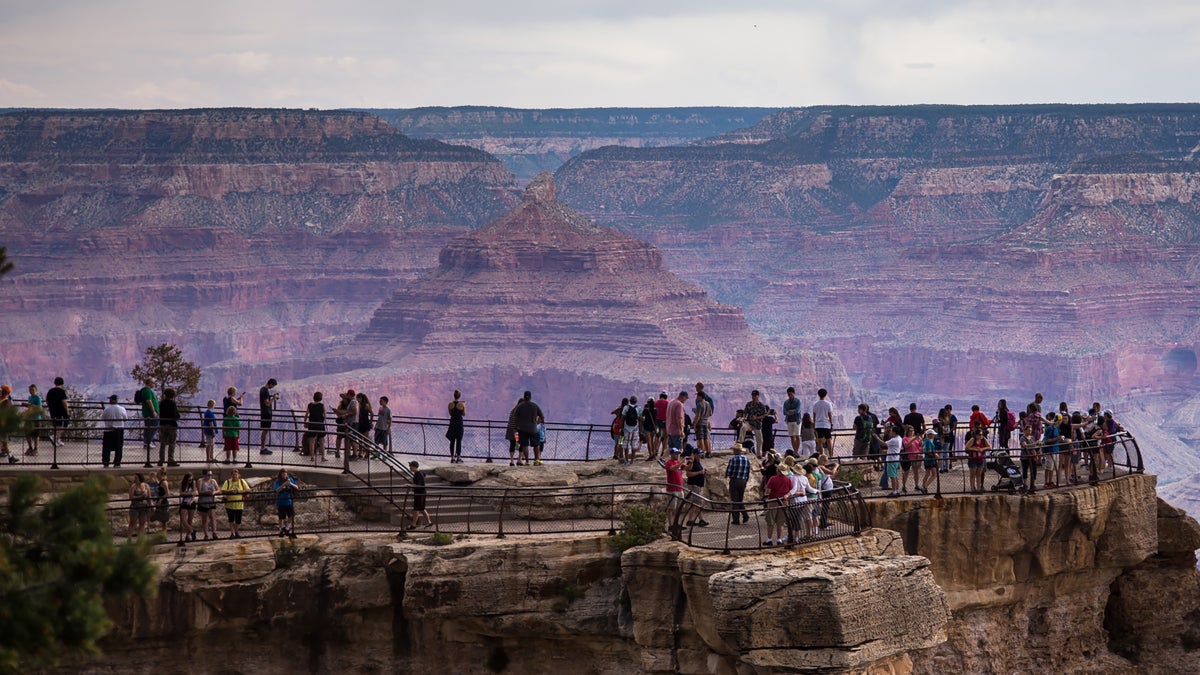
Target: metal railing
pixel 508 511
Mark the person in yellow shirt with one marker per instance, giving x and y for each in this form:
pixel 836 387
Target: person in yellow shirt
pixel 235 488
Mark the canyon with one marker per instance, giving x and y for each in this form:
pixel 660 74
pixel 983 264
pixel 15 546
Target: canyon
pixel 921 253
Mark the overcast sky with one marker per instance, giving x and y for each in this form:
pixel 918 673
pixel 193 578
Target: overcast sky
pixel 567 53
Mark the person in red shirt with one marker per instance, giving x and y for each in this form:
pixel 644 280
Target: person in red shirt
pixel 674 467
pixel 777 489
pixel 978 420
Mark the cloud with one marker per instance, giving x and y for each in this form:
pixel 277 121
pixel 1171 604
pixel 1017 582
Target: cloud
pixel 544 53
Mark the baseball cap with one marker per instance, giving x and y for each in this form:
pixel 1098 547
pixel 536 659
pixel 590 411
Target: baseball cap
pixel 674 451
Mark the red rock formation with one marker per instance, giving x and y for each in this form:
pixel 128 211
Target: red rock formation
pixel 544 295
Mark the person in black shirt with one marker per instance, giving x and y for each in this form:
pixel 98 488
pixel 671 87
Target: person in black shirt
pixel 60 414
pixel 419 508
pixel 915 420
pixel 168 427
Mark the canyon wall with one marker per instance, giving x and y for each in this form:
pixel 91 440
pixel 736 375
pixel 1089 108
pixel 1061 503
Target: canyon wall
pixel 239 235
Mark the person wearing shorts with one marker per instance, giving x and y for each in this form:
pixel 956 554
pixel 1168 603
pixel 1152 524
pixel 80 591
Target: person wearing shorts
pixel 206 503
pixel 284 487
pixel 419 507
pixel 235 488
pixel 822 414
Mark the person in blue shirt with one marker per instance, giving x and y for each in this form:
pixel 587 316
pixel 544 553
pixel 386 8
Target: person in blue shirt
pixel 285 486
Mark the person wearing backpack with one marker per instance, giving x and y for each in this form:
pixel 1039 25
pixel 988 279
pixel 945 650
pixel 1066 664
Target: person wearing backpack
pixel 631 431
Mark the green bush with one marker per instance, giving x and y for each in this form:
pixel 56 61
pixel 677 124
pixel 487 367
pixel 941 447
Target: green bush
pixel 852 475
pixel 286 551
pixel 640 526
pixel 440 539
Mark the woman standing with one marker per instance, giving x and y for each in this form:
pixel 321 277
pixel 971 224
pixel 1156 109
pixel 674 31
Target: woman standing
pixel 910 455
pixel 366 417
pixel 160 491
pixel 977 447
pixel 454 432
pixel 187 509
pixel 929 453
pixel 206 504
pixel 139 505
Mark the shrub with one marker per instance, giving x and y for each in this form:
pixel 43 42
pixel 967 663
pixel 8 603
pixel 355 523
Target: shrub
pixel 440 539
pixel 640 526
pixel 286 551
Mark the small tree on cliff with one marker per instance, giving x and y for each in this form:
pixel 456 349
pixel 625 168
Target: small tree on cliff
pixel 58 563
pixel 164 366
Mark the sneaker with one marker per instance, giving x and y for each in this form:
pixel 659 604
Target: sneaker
pixel 265 451
pixel 905 489
pixel 780 542
pixel 537 462
pixel 768 543
pixel 702 523
pixel 893 493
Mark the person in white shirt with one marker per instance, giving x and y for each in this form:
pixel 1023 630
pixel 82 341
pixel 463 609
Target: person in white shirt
pixel 822 413
pixel 113 444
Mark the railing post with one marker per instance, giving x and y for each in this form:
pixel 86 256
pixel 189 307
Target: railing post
pixel 489 442
pixel 587 446
pixel 500 515
pixel 612 511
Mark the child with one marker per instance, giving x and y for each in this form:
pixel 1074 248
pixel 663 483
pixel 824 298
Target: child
pixel 208 431
pixel 383 425
pixel 418 481
pixel 231 427
pixel 541 442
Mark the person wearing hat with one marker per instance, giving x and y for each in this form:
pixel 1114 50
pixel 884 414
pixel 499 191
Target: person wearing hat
pixel 929 459
pixel 775 493
pixel 737 472
pixel 755 410
pixel 674 467
pixel 113 442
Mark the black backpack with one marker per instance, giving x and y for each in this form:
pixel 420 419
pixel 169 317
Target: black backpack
pixel 631 416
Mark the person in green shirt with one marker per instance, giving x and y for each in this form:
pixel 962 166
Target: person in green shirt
pixel 231 430
pixel 149 401
pixel 235 488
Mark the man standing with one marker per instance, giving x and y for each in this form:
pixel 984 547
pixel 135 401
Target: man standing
pixel 660 417
pixel 915 420
pixel 168 433
pixel 674 421
pixel 267 398
pixel 630 427
pixel 755 411
pixel 60 415
pixel 701 421
pixel 113 443
pixel 738 473
pixel 864 431
pixel 528 413
pixel 792 410
pixel 383 425
pixel 822 413
pixel 149 401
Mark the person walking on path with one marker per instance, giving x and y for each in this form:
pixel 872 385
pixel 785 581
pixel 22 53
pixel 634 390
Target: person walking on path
pixel 419 496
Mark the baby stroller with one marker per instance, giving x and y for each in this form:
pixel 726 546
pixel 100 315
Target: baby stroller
pixel 1010 473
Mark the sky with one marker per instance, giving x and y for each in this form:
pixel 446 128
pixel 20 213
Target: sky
pixel 567 53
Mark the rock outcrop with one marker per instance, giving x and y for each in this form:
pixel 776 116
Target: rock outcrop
pixel 1099 580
